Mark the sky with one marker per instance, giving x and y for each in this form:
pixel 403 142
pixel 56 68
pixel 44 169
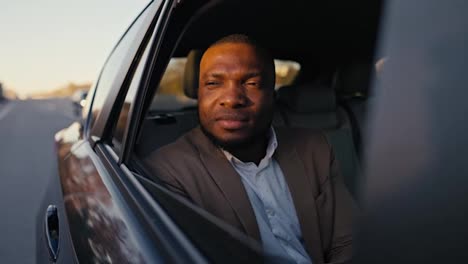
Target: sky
pixel 49 43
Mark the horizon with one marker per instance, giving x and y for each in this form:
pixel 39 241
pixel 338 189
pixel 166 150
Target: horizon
pixel 51 44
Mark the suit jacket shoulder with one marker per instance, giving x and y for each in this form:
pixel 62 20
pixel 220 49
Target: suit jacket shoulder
pixel 175 163
pixel 181 150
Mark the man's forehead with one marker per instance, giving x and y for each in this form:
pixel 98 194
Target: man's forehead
pixel 237 50
pixel 229 67
pixel 223 72
pixel 225 55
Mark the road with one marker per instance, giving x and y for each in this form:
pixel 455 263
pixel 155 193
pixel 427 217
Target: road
pixel 27 157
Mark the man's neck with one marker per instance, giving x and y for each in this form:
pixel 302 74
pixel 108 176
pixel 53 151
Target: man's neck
pixel 252 152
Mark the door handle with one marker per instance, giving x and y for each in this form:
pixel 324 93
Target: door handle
pixel 51 227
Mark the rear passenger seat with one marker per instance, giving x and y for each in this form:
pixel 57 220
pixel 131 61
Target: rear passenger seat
pixel 309 105
pixel 352 88
pixel 314 106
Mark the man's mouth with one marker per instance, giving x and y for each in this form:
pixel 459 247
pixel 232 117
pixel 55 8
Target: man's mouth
pixel 232 121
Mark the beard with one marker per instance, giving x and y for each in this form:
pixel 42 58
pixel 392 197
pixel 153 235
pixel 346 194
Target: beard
pixel 235 144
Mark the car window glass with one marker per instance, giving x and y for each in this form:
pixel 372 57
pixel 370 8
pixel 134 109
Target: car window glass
pixel 170 94
pixel 113 66
pixel 122 121
pixel 88 99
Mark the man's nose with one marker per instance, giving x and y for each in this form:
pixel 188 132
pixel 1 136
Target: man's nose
pixel 234 96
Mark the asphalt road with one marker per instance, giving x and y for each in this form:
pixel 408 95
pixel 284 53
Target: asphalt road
pixel 27 157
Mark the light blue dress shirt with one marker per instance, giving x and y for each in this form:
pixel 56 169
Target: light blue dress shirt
pixel 273 205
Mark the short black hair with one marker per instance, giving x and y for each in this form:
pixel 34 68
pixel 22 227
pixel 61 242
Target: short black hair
pixel 237 38
pixel 245 39
pixel 242 38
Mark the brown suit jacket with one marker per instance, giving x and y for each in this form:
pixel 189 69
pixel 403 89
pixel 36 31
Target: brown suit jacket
pixel 195 168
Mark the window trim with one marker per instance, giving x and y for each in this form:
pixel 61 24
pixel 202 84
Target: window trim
pixel 168 39
pixel 97 131
pixel 113 119
pixel 149 78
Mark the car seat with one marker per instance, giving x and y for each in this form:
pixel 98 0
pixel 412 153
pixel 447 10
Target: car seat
pixel 314 105
pixel 164 122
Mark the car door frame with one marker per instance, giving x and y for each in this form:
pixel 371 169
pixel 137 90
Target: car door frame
pixel 158 226
pixel 97 130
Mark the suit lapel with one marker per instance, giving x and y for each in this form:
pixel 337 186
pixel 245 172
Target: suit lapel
pixel 229 182
pixel 299 185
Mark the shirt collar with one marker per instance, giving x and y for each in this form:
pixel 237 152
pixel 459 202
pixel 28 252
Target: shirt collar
pixel 271 148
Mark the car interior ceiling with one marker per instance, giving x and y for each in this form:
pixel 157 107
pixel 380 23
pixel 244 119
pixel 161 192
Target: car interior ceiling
pixel 322 36
pixel 323 32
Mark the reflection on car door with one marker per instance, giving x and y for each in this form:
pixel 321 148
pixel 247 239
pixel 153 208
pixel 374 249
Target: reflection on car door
pixel 94 223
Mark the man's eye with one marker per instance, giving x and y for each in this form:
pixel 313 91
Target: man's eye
pixel 211 83
pixel 252 84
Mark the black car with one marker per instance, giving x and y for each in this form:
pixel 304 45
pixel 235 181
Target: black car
pixel 103 207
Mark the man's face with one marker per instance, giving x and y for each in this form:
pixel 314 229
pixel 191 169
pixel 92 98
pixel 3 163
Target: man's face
pixel 236 94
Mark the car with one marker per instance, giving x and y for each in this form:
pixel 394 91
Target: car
pixel 79 98
pixel 101 206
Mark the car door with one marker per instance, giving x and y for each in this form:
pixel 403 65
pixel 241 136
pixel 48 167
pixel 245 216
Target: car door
pixel 83 216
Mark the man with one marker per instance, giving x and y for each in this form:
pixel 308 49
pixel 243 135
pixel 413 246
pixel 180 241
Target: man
pixel 279 186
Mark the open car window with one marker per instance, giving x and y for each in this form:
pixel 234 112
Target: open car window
pixel 308 101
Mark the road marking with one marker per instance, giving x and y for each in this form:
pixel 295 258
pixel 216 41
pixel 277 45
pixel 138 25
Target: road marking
pixel 5 110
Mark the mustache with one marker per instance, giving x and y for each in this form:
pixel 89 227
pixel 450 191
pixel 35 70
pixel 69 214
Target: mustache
pixel 230 115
